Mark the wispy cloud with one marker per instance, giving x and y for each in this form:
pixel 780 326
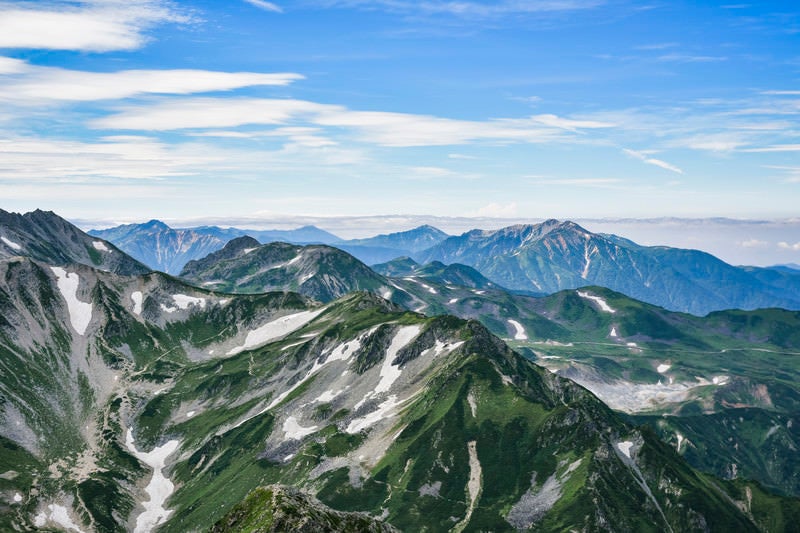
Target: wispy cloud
pixel 22 81
pixel 467 9
pixel 791 247
pixel 497 210
pixel 600 183
pixel 570 124
pixel 373 127
pixel 687 58
pixel 776 148
pixel 753 243
pixel 90 25
pixel 266 6
pixel 644 157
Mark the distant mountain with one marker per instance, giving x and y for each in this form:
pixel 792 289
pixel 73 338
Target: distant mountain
pixel 46 237
pixel 168 250
pixel 438 272
pixel 142 402
pixel 554 255
pixel 246 266
pixel 382 248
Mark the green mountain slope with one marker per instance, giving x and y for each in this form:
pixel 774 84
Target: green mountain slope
pixel 201 397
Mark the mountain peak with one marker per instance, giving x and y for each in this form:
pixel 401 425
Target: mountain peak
pixel 155 224
pixel 241 243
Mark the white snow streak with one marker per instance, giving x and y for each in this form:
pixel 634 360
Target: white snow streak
pixel 598 300
pixel 453 300
pixel 275 329
pixel 100 246
pixel 613 332
pixel 520 334
pixel 663 368
pixel 385 410
pixel 11 244
pixel 159 488
pixel 473 485
pixel 390 372
pixel 80 313
pixel 473 405
pixel 137 298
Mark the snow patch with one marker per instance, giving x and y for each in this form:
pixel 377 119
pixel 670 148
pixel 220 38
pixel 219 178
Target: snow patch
pixel 719 380
pixel 293 430
pixel 57 514
pixel 184 301
pixel 11 244
pixel 520 334
pixel 453 300
pixel 137 298
pixel 80 313
pixel 327 396
pixel 275 329
pixel 100 246
pixel 386 295
pixel 613 332
pixel 625 447
pixel 190 414
pixel 159 488
pixel 598 300
pixel 663 368
pixel 385 410
pixel 680 438
pixel 17 497
pixel 248 250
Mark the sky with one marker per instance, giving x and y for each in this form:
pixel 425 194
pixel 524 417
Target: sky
pixel 127 110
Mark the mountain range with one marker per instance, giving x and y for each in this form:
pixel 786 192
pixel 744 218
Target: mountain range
pixel 554 255
pixel 533 259
pixel 638 358
pixel 421 422
pixel 168 250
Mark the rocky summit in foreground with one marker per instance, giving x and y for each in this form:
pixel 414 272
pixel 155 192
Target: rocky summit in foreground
pixel 276 509
pixel 140 403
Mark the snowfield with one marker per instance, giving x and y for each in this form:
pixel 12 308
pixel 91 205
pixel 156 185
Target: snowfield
pixel 276 329
pixel 80 313
pixel 159 489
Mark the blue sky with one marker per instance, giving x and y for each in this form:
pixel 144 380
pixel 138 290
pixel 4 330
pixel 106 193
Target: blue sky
pixel 129 110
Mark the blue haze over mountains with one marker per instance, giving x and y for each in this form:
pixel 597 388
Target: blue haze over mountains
pixel 527 258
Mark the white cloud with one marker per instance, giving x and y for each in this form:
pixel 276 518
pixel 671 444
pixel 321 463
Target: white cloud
pixel 781 93
pixel 753 243
pixel 776 148
pixel 207 113
pixel 22 81
pixel 374 127
pixel 792 247
pixel 461 156
pixel 643 156
pixel 92 26
pixel 496 210
pixel 266 6
pixel 569 124
pixel 578 182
